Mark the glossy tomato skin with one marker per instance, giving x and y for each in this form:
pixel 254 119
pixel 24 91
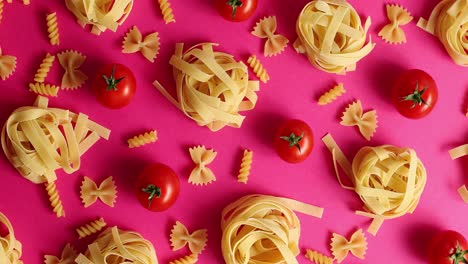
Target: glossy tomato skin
pixel 243 12
pixel 405 85
pixel 163 177
pixel 292 154
pixel 443 245
pixel 125 89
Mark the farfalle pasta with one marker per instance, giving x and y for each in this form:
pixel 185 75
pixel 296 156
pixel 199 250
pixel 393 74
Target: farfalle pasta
pixel 366 122
pixel 148 46
pixel 398 16
pixel 100 14
pixel 330 34
pixel 261 229
pixel 258 68
pixel 332 94
pixel 71 61
pixel 68 256
pixel 7 65
pixel 317 257
pixel 91 228
pixel 212 88
pixel 143 139
pixel 456 153
pixel 357 245
pixel 10 248
pixel 202 175
pixel 44 68
pixel 275 43
pixel 106 192
pixel 180 237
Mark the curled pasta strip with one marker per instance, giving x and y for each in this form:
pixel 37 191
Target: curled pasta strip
pixel 331 95
pixel 100 14
pixel 7 65
pixel 245 166
pixel 106 192
pixel 398 16
pixel 389 180
pixel 190 259
pixel 212 88
pixel 134 42
pixel 10 248
pixel 357 245
pixel 52 28
pixel 263 229
pixel 68 256
pixel 180 237
pixel 275 43
pixel 54 199
pixel 166 11
pixel 143 139
pixel 202 175
pixel 258 68
pixel 1 10
pixel 318 258
pixel 44 89
pixel 91 228
pixel 117 246
pixel 366 122
pixel 330 34
pixel 44 68
pixel 456 153
pixel 71 61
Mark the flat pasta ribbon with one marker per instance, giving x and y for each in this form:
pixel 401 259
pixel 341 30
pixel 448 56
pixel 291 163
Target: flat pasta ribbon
pixel 180 237
pixel 330 34
pixel 106 192
pixel 7 65
pixel 201 175
pixel 389 180
pixel 275 43
pixel 10 248
pixel 456 153
pixel 357 245
pixel 212 88
pixel 398 16
pixel 260 229
pixel 366 122
pixel 134 42
pixel 71 61
pixel 68 256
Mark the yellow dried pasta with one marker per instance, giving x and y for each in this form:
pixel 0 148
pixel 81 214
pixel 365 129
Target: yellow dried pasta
pixel 357 245
pixel 106 192
pixel 143 139
pixel 1 10
pixel 180 237
pixel 245 166
pixel 202 175
pixel 258 68
pixel 52 28
pixel 456 153
pixel 44 89
pixel 54 199
pixel 332 94
pixel 67 257
pixel 398 16
pixel 91 228
pixel 7 65
pixel 10 248
pixel 190 259
pixel 134 42
pixel 71 62
pixel 166 11
pixel 330 34
pixel 366 122
pixel 317 258
pixel 44 68
pixel 275 43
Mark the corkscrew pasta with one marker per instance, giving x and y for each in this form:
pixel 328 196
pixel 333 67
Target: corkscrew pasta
pixel 44 68
pixel 10 248
pixel 91 228
pixel 134 42
pixel 54 199
pixel 68 256
pixel 1 10
pixel 245 166
pixel 332 94
pixel 7 65
pixel 44 89
pixel 71 61
pixel 366 122
pixel 258 68
pixel 166 11
pixel 317 257
pixel 190 259
pixel 180 237
pixel 106 192
pixel 275 43
pixel 202 175
pixel 53 29
pixel 143 139
pixel 357 245
pixel 398 16
pixel 456 153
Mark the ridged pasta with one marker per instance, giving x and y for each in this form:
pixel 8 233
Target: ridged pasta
pixel 68 256
pixel 52 28
pixel 166 11
pixel 190 259
pixel 7 65
pixel 332 94
pixel 54 199
pixel 91 228
pixel 44 89
pixel 258 68
pixel 317 257
pixel 357 245
pixel 44 68
pixel 266 28
pixel 143 139
pixel 1 10
pixel 245 166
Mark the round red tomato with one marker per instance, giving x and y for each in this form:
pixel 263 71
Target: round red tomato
pixel 414 94
pixel 157 187
pixel 236 10
pixel 114 86
pixel 448 247
pixel 294 141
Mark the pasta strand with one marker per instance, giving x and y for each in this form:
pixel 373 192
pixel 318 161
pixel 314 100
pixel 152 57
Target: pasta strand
pixel 245 166
pixel 44 68
pixel 332 94
pixel 318 258
pixel 10 247
pixel 91 228
pixel 258 68
pixel 44 89
pixel 166 11
pixel 143 139
pixel 52 28
pixel 1 10
pixel 54 199
pixel 190 259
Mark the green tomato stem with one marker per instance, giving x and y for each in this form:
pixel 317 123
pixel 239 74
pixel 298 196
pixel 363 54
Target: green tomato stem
pixel 111 81
pixel 416 96
pixel 294 140
pixel 153 191
pixel 234 4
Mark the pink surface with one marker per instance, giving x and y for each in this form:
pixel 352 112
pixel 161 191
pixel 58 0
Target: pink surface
pixel 291 93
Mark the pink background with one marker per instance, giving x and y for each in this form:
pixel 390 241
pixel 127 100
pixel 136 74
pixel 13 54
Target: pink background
pixel 291 93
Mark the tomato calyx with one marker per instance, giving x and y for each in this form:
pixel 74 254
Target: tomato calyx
pixel 234 4
pixel 294 140
pixel 153 191
pixel 416 96
pixel 111 81
pixel 459 255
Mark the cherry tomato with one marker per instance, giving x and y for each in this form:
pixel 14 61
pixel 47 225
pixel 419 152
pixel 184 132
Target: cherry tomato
pixel 114 86
pixel 157 187
pixel 448 247
pixel 414 94
pixel 236 10
pixel 294 141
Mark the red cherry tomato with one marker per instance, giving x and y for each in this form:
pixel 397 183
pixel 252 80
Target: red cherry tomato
pixel 294 141
pixel 114 86
pixel 448 247
pixel 157 187
pixel 414 94
pixel 236 10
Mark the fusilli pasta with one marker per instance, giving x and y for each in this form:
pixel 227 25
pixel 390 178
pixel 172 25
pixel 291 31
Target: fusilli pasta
pixel 143 139
pixel 166 11
pixel 91 228
pixel 52 28
pixel 258 68
pixel 190 259
pixel 54 199
pixel 245 166
pixel 44 89
pixel 44 68
pixel 318 258
pixel 332 94
pixel 1 10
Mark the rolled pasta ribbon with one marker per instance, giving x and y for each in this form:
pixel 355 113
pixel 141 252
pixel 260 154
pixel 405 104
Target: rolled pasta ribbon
pixel 261 229
pixel 330 34
pixel 212 87
pixel 456 153
pixel 389 180
pixel 10 248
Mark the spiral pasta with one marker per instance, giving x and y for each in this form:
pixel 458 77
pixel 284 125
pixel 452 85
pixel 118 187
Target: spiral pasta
pixel 245 166
pixel 332 94
pixel 143 139
pixel 54 199
pixel 166 11
pixel 52 28
pixel 44 89
pixel 190 259
pixel 1 10
pixel 44 68
pixel 317 257
pixel 330 34
pixel 258 68
pixel 10 248
pixel 91 228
